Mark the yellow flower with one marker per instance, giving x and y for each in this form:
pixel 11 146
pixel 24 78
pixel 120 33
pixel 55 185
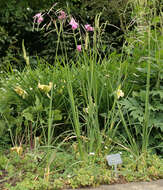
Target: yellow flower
pixel 86 110
pixel 45 88
pixel 17 149
pixel 20 92
pixel 107 75
pixel 120 93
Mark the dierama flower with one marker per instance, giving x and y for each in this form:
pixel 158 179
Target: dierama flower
pixel 38 18
pixel 37 15
pixel 73 23
pixel 79 48
pixel 88 27
pixel 62 15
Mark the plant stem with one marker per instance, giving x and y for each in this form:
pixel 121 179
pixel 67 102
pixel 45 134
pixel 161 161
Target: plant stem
pixel 146 116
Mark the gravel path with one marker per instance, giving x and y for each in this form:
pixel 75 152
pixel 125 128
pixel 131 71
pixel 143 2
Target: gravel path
pixel 154 185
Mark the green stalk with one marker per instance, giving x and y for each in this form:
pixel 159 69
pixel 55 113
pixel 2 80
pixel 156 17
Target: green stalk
pixel 10 131
pixel 58 41
pixel 134 147
pixel 146 115
pixel 50 119
pixel 76 123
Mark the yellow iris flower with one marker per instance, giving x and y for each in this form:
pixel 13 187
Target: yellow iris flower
pixel 20 92
pixel 45 88
pixel 17 149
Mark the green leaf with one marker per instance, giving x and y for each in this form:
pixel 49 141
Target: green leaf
pixel 28 116
pixel 156 20
pixel 38 107
pixel 57 115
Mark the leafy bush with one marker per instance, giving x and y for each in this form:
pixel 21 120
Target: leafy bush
pixel 27 102
pixel 24 101
pixel 134 107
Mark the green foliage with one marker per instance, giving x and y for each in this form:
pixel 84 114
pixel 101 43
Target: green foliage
pixel 26 103
pixel 66 171
pixel 15 25
pixel 134 107
pixel 143 108
pixel 23 102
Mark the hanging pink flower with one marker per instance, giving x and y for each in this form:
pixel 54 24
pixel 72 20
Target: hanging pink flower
pixel 38 18
pixel 73 24
pixel 62 15
pixel 88 27
pixel 79 47
pixel 37 15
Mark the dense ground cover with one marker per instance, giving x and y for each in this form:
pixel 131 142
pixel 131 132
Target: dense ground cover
pixel 59 120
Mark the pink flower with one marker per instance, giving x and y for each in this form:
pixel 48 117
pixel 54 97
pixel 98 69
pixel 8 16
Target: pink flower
pixel 37 15
pixel 79 48
pixel 38 18
pixel 88 27
pixel 62 15
pixel 73 24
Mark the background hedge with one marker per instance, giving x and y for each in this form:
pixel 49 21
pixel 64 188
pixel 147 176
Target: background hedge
pixel 17 21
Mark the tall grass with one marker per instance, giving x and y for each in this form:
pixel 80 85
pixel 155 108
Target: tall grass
pixel 93 96
pixel 145 14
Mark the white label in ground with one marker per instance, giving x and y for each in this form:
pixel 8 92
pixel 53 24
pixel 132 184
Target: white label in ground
pixel 114 159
